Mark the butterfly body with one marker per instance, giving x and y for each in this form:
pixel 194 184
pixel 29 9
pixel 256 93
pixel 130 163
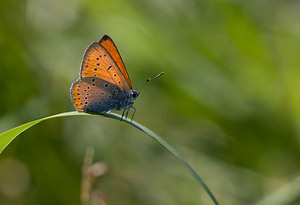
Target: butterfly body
pixel 104 83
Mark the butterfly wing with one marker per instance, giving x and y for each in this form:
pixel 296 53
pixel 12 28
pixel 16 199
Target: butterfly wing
pixel 95 95
pixel 97 62
pixel 111 48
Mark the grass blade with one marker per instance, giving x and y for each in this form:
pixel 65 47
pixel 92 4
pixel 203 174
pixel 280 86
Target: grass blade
pixel 7 137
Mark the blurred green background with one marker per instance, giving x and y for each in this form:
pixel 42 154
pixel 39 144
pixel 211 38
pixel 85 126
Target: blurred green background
pixel 229 101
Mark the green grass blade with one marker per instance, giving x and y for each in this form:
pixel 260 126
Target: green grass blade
pixel 7 137
pixel 176 154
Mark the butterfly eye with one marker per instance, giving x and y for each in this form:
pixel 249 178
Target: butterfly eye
pixel 134 94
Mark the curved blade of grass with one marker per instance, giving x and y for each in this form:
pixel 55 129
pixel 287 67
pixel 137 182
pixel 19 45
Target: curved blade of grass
pixel 7 137
pixel 175 153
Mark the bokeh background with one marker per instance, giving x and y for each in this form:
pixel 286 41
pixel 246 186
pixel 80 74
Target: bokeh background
pixel 229 101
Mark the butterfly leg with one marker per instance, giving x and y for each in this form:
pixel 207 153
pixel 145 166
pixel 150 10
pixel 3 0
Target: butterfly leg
pixel 128 108
pixel 123 114
pixel 127 112
pixel 133 112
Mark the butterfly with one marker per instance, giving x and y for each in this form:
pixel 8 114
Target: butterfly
pixel 103 83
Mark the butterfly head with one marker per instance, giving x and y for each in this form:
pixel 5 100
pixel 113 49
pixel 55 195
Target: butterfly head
pixel 134 94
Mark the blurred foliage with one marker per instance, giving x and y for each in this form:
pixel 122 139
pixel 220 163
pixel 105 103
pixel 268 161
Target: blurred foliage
pixel 229 100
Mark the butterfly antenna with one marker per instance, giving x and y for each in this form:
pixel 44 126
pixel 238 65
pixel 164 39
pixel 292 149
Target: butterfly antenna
pixel 148 80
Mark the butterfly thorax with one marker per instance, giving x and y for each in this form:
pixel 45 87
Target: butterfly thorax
pixel 127 101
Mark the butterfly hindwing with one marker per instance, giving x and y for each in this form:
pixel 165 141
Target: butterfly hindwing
pixel 95 95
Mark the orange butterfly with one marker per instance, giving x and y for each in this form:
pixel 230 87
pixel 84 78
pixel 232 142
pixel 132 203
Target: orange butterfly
pixel 104 83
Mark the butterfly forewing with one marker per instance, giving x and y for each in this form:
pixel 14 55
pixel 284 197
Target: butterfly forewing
pixel 111 48
pixel 98 63
pixel 94 95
